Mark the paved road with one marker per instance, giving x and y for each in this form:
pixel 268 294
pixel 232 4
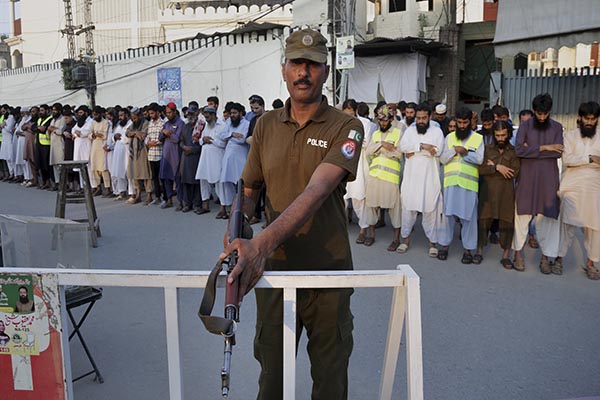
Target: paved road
pixel 488 333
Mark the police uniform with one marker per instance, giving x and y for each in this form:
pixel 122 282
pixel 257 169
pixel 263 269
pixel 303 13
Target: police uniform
pixel 284 157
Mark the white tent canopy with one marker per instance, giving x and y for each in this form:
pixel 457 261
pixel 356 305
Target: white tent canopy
pixel 401 77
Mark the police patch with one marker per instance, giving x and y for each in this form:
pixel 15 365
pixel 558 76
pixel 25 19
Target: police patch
pixel 355 135
pixel 349 149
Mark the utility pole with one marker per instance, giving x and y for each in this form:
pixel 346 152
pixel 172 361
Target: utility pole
pixel 79 70
pixel 88 57
pixel 70 29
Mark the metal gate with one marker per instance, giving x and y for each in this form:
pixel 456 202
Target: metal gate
pixel 568 88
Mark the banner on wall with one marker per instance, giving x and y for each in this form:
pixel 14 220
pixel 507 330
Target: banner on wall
pixel 31 353
pixel 169 86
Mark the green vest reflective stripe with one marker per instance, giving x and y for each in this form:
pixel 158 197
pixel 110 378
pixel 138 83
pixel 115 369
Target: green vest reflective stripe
pixel 384 168
pixel 458 172
pixel 1 121
pixel 44 138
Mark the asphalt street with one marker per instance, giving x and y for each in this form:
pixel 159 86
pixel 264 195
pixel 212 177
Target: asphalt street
pixel 488 333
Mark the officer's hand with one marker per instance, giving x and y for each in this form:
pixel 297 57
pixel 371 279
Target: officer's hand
pixel 250 265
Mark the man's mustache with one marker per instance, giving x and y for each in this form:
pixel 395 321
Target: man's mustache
pixel 303 81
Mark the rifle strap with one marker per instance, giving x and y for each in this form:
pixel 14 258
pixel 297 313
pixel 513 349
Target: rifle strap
pixel 213 324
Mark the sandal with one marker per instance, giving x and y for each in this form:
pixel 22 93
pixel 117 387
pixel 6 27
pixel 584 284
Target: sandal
pixel 557 267
pixel 507 263
pixel 533 243
pixel 433 252
pixel 592 272
pixel 369 241
pixel 467 258
pixel 477 259
pixel 360 239
pixel 545 267
pixel 394 245
pixel 403 248
pixel 442 254
pixel 519 265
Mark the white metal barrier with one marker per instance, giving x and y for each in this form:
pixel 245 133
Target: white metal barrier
pixel 406 306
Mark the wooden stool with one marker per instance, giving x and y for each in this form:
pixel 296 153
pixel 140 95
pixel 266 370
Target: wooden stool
pixel 63 198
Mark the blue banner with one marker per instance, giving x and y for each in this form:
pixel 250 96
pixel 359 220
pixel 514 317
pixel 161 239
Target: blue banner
pixel 169 86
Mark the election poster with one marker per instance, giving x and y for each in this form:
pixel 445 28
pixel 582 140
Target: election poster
pixel 344 50
pixel 169 86
pixel 31 342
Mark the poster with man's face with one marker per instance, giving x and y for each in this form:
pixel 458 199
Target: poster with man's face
pixel 17 315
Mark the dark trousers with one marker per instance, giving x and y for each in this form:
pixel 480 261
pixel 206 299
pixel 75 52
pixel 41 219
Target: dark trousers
pixel 168 184
pixel 191 194
pixel 326 316
pixel 156 182
pixel 506 230
pixel 42 159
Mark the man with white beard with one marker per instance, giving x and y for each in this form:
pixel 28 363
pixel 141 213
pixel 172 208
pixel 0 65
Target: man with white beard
pixel 236 153
pixel 420 191
pixel 211 158
pixel 580 187
pixel 120 156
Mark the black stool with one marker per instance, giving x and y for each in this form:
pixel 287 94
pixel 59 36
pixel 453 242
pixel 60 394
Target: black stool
pixel 77 296
pixel 63 198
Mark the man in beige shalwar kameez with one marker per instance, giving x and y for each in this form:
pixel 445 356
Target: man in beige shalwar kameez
pixel 99 135
pixel 57 140
pixel 580 186
pixel 383 182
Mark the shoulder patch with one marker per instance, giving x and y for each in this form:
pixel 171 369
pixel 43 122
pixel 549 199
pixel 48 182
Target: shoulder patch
pixel 355 135
pixel 349 149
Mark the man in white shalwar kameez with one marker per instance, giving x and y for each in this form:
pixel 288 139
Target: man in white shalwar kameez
pixel 580 187
pixel 356 190
pixel 420 191
pixel 22 170
pixel 82 144
pixel 7 126
pixel 236 153
pixel 211 157
pixel 120 156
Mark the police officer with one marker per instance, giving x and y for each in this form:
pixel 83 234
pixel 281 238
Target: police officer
pixel 304 153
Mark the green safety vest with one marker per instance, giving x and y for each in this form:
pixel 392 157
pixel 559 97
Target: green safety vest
pixel 384 168
pixel 44 138
pixel 458 172
pixel 1 121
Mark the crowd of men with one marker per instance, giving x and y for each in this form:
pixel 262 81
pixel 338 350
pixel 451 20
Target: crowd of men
pixel 535 185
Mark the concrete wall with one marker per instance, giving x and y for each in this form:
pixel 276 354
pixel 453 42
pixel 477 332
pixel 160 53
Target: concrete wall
pixel 394 25
pixel 186 23
pixel 233 69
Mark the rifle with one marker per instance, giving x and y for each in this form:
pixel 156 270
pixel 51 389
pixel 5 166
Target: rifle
pixel 226 326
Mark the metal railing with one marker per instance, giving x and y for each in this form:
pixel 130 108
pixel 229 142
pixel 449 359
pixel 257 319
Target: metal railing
pixel 405 307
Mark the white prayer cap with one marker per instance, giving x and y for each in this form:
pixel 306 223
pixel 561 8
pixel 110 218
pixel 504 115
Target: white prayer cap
pixel 440 109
